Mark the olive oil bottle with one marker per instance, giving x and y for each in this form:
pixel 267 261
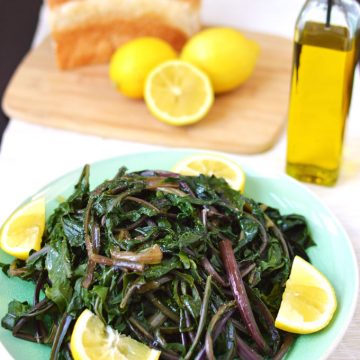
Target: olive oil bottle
pixel 324 60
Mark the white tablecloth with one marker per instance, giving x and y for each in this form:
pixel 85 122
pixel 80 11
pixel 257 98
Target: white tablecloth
pixel 32 155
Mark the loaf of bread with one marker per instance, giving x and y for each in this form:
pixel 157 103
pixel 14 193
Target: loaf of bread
pixel 89 31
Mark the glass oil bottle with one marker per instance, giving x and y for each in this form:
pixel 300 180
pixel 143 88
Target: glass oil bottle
pixel 325 54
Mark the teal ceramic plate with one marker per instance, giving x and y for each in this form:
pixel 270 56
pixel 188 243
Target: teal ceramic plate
pixel 333 254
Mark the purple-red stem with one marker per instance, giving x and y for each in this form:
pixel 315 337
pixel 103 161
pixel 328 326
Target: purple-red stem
pixel 289 339
pixel 239 293
pixel 245 352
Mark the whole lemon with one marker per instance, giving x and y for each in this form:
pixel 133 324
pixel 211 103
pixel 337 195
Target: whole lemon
pixel 131 63
pixel 225 54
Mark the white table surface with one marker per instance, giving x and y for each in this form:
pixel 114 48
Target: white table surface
pixel 32 155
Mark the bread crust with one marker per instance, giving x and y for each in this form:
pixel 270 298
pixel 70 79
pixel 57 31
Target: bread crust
pixel 89 31
pixel 54 3
pixel 95 43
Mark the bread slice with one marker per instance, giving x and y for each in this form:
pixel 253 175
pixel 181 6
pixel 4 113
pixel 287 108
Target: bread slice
pixel 89 31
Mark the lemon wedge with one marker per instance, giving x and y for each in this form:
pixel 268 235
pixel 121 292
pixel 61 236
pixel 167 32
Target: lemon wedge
pixel 178 93
pixel 308 302
pixel 23 231
pixel 209 164
pixel 92 340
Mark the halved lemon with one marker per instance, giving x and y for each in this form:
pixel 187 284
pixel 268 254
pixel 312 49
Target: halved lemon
pixel 178 93
pixel 211 164
pixel 308 302
pixel 23 230
pixel 92 340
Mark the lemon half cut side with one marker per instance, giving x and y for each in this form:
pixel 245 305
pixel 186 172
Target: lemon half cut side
pixel 309 300
pixel 92 340
pixel 178 93
pixel 213 164
pixel 23 231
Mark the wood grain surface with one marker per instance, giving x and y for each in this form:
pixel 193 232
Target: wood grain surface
pixel 248 120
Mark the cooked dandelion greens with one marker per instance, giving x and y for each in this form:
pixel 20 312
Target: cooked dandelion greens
pixel 183 264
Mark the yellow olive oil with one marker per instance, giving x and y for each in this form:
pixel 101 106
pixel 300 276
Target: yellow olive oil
pixel 321 86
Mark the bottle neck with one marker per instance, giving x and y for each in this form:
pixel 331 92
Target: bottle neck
pixel 332 2
pixel 328 12
pixel 339 13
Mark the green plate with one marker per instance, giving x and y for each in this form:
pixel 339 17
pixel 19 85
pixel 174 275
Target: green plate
pixel 333 255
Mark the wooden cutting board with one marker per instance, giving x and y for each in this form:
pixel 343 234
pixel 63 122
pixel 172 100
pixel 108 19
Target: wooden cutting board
pixel 248 120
